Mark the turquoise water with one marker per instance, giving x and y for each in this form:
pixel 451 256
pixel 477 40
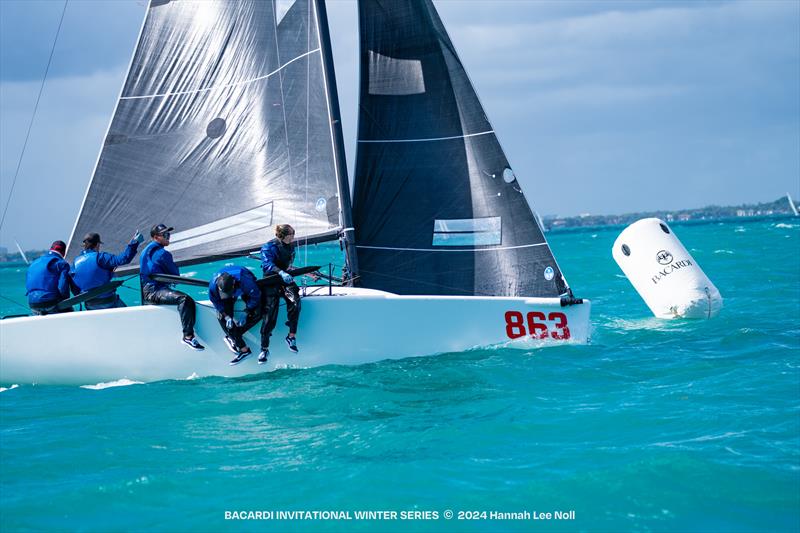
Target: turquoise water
pixel 656 425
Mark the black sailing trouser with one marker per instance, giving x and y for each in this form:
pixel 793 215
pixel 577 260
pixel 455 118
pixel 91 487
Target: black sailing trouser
pixel 185 303
pixel 271 299
pixel 48 308
pixel 236 332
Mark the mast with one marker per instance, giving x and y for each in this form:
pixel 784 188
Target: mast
pixel 347 237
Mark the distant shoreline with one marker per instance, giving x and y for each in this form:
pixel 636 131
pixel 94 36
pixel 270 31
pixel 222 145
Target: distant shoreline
pixel 779 208
pixel 698 222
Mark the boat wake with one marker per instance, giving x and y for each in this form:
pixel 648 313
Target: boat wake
pixel 119 383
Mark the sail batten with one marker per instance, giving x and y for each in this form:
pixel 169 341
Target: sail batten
pixel 430 174
pixel 222 130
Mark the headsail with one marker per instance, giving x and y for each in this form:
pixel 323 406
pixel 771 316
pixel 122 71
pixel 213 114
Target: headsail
pixel 437 207
pixel 223 129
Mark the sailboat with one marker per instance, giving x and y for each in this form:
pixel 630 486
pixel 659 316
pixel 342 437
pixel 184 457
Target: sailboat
pixel 228 123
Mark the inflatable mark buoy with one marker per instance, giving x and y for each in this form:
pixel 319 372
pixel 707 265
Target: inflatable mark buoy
pixel 663 272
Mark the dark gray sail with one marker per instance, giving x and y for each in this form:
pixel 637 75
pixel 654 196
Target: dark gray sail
pixel 437 208
pixel 223 129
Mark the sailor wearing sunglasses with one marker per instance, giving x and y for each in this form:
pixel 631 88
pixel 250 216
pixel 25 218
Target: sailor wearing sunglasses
pixel 155 259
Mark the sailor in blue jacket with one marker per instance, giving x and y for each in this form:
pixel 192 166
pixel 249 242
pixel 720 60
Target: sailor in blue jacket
pixel 48 282
pixel 154 259
pixel 93 268
pixel 276 258
pixel 224 288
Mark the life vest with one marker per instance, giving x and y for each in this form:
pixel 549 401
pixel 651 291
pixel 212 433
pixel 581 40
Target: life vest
pixel 88 274
pixel 41 280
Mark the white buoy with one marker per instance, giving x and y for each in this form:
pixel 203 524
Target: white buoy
pixel 663 272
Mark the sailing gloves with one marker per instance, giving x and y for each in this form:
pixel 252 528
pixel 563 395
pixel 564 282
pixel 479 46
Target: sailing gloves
pixel 229 322
pixel 138 237
pixel 286 277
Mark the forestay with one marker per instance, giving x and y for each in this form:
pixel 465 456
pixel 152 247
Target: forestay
pixel 437 207
pixel 223 129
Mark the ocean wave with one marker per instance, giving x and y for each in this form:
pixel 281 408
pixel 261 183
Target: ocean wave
pixel 124 382
pixel 723 252
pixel 702 438
pixel 14 386
pixel 739 230
pixel 782 225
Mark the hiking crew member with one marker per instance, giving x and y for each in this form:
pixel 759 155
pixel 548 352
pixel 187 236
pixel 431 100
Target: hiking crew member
pixel 156 260
pixel 276 258
pixel 94 268
pixel 48 282
pixel 224 288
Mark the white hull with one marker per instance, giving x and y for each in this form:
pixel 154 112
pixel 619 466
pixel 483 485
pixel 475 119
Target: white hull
pixel 353 326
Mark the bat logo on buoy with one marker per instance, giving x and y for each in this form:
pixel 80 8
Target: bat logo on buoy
pixel 664 257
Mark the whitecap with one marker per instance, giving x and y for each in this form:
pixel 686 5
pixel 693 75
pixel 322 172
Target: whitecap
pixel 594 235
pixel 189 274
pixel 740 230
pixel 193 376
pixel 124 382
pixel 782 225
pixel 14 386
pixel 723 252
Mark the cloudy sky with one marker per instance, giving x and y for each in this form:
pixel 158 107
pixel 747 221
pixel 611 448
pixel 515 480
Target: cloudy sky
pixel 601 107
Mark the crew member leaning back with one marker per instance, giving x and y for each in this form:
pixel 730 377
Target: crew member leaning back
pixel 155 259
pixel 276 258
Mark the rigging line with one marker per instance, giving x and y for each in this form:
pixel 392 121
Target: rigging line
pixel 33 117
pixel 14 302
pixel 308 107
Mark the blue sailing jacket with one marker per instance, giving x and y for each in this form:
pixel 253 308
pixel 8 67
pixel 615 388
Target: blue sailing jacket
pixel 47 279
pixel 92 269
pixel 276 256
pixel 246 288
pixel 155 260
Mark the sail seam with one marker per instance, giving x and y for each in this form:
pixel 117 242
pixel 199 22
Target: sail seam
pixel 425 140
pixel 460 250
pixel 206 89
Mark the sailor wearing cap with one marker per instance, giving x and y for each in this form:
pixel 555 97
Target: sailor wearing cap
pixel 224 288
pixel 93 268
pixel 48 282
pixel 154 259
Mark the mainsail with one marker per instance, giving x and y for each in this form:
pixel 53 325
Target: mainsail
pixel 437 208
pixel 223 129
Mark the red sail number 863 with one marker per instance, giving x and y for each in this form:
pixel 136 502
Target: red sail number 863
pixel 534 324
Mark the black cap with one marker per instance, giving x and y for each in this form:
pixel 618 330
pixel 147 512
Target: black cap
pixel 92 239
pixel 226 285
pixel 158 229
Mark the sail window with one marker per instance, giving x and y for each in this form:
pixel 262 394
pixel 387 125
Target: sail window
pixel 225 228
pixel 281 8
pixel 467 232
pixel 216 128
pixel 626 250
pixel 508 175
pixel 394 77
